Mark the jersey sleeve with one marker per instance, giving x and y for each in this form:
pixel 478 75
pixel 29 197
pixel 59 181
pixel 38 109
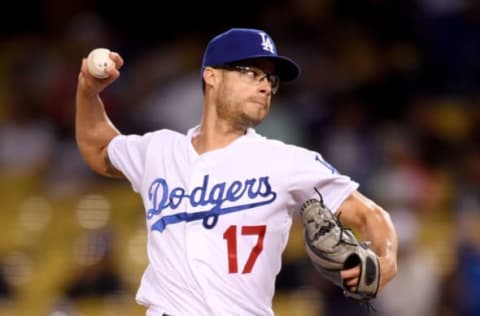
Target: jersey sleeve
pixel 127 153
pixel 312 172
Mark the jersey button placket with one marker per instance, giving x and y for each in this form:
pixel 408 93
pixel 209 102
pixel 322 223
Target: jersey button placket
pixel 195 227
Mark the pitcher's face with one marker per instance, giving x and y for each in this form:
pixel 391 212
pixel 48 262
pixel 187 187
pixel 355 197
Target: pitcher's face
pixel 245 91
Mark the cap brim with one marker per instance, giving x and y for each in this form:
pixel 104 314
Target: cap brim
pixel 286 68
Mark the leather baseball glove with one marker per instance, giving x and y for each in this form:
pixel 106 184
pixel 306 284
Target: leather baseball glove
pixel 332 248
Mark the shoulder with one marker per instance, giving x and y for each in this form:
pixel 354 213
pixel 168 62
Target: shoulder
pixel 295 154
pixel 269 144
pixel 161 137
pixel 154 135
pixel 164 133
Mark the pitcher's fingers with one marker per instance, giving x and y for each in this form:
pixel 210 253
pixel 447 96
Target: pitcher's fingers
pixel 117 59
pixel 351 282
pixel 83 67
pixel 113 72
pixel 350 273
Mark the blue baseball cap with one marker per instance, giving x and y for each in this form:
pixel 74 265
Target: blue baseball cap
pixel 238 44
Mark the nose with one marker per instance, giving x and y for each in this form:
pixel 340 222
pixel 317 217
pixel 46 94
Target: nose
pixel 264 85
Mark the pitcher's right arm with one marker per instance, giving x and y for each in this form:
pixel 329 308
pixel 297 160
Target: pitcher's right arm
pixel 93 128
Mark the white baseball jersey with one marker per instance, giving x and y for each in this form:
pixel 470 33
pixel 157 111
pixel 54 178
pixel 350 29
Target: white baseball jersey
pixel 218 222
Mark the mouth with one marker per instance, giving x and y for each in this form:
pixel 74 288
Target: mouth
pixel 261 103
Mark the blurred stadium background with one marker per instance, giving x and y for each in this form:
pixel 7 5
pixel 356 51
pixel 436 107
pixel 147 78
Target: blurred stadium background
pixel 389 95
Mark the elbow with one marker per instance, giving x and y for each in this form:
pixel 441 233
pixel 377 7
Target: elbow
pixel 92 156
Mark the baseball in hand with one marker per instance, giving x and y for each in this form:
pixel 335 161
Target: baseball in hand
pixel 97 61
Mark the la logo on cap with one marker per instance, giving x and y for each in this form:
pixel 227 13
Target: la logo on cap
pixel 267 43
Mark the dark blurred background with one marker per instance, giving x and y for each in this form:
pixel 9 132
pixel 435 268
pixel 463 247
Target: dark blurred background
pixel 389 95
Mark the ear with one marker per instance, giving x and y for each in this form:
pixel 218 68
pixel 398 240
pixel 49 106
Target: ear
pixel 210 76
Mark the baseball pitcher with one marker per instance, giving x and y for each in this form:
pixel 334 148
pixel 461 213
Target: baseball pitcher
pixel 219 200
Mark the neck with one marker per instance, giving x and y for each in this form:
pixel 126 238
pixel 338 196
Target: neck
pixel 215 135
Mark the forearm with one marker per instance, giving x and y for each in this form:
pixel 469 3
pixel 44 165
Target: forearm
pixel 374 225
pixel 93 129
pixel 380 231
